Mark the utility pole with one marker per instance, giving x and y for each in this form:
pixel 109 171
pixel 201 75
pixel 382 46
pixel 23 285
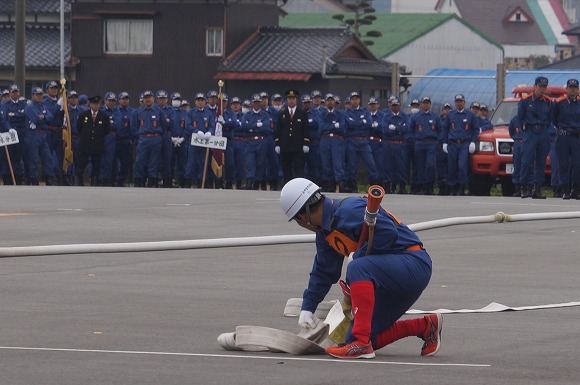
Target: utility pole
pixel 20 33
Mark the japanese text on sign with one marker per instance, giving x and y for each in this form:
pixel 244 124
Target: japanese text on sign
pixel 8 138
pixel 217 142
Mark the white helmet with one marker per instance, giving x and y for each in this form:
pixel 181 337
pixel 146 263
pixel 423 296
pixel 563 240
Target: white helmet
pixel 296 194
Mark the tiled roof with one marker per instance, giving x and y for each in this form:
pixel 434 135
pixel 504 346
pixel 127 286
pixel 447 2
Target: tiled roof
pixel 42 47
pixel 572 63
pixel 36 6
pixel 299 50
pixel 355 66
pixel 398 30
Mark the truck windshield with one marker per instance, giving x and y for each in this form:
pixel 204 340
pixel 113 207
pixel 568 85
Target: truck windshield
pixel 504 112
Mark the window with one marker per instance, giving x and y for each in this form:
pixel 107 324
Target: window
pixel 134 37
pixel 214 42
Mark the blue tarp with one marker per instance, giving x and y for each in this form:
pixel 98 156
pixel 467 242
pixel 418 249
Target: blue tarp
pixel 443 90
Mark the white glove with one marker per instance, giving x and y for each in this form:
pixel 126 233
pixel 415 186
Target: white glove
pixel 221 119
pixel 307 319
pixel 375 124
pixel 259 124
pixel 12 131
pixel 207 135
pixel 364 121
pixel 471 148
pixel 392 127
pixel 60 102
pixel 305 149
pixel 309 120
pixel 200 133
pixel 336 125
pixel 180 140
pixel 445 148
pixel 175 142
pixel 277 149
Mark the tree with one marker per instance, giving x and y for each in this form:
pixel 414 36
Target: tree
pixel 363 15
pixel 537 61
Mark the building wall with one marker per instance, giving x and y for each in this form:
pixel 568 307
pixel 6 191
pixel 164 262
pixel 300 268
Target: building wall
pixel 450 45
pixel 179 61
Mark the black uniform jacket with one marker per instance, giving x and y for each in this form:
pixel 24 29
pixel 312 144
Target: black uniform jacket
pixel 292 134
pixel 93 133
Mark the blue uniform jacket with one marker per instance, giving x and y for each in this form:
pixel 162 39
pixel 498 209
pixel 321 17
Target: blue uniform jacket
pixel 149 120
pixel 32 111
pixel 377 132
pixel 110 112
pixel 73 113
pixel 14 112
pixel 328 120
pixel 400 122
pixel 346 216
pixel 122 120
pixel 199 120
pixel 358 122
pixel 56 113
pixel 250 123
pixel 535 111
pixel 169 116
pixel 425 125
pixel 179 118
pixel 231 123
pixel 4 125
pixel 462 125
pixel 484 123
pixel 566 114
pixel 239 131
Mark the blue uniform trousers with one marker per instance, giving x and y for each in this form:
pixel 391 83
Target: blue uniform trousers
pixel 332 153
pixel 39 150
pixel 457 163
pixel 554 164
pixel 107 158
pixel 195 163
pixel 424 160
pixel 148 157
pixel 517 161
pixel 360 149
pixel 377 150
pixel 229 162
pixel 167 156
pixel 399 280
pixel 568 152
pixel 395 159
pixel 123 158
pixel 313 167
pixel 273 169
pixel 179 159
pixel 239 147
pixel 410 161
pixel 441 167
pixel 534 152
pixel 54 139
pixel 256 155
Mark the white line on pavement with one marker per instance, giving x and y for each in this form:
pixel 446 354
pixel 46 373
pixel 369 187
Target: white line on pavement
pixel 279 358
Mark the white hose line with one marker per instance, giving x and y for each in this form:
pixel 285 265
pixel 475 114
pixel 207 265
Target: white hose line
pixel 257 241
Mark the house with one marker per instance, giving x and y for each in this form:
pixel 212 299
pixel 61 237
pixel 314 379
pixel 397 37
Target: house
pixel 42 47
pixel 330 59
pixel 175 45
pixel 420 42
pixel 524 28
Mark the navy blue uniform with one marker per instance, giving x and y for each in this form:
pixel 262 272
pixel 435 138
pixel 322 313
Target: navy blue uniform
pixel 566 118
pixel 517 134
pixel 108 155
pixel 54 133
pixel 239 146
pixel 15 117
pixel 377 148
pixel 197 120
pixel 231 123
pixel 358 130
pixel 150 123
pixel 38 146
pixel 313 168
pixel 425 128
pixel 258 126
pixel 123 147
pixel 395 151
pixel 398 274
pixel 332 146
pixel 459 130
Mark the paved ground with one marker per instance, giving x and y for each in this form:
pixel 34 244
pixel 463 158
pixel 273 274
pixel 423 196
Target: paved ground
pixel 153 317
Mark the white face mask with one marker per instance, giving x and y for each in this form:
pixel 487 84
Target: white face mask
pixel 176 103
pixel 245 110
pixel 277 108
pixel 414 110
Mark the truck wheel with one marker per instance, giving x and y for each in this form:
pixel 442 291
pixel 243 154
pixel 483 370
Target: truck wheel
pixel 481 184
pixel 507 187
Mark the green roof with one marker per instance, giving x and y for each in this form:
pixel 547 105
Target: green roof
pixel 398 29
